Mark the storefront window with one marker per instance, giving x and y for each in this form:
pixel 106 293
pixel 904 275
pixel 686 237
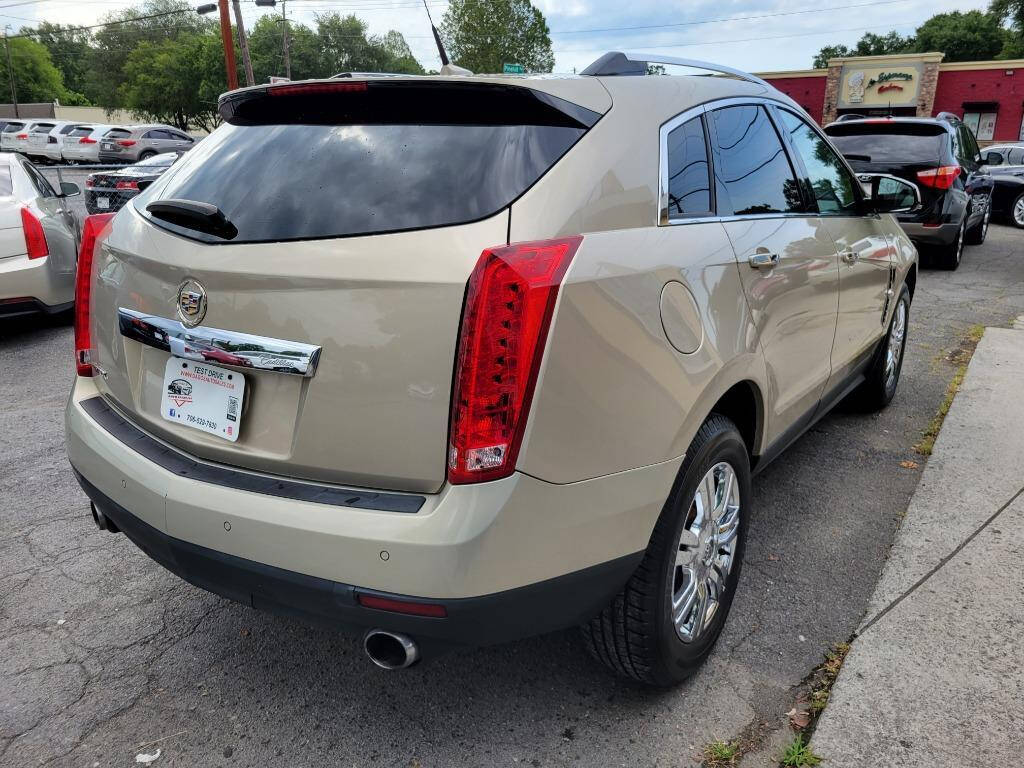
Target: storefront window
pixel 982 123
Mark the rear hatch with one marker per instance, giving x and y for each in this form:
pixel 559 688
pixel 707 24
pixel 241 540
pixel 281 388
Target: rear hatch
pixel 112 138
pixel 897 148
pixel 349 217
pixel 39 136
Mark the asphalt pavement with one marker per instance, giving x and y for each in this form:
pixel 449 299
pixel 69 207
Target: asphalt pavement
pixel 105 656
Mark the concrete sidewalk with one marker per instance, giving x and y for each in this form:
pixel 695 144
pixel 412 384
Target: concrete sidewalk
pixel 936 675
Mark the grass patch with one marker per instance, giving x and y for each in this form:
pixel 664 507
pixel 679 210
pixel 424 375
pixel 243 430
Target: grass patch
pixel 798 754
pixel 721 754
pixel 960 357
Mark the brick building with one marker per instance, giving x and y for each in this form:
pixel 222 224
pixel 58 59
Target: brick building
pixel 987 95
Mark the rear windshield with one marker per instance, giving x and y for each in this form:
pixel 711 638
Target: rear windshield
pixel 82 130
pixel 13 127
pixel 118 133
pixel 42 127
pixel 302 168
pixel 888 142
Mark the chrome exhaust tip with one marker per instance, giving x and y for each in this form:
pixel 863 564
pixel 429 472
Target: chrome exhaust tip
pixel 390 650
pixel 103 522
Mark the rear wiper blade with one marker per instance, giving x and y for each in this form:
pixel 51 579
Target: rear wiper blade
pixel 192 214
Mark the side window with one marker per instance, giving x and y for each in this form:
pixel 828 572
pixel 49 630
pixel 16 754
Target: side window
pixel 1016 156
pixel 971 150
pixel 689 182
pixel 182 137
pixel 830 181
pixel 39 181
pixel 958 150
pixel 752 172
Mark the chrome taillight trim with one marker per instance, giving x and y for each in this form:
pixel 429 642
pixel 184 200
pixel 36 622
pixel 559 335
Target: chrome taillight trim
pixel 262 353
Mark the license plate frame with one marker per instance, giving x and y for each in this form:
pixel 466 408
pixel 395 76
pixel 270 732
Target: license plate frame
pixel 203 397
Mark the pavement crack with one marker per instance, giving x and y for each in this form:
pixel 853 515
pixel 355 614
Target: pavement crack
pixel 938 566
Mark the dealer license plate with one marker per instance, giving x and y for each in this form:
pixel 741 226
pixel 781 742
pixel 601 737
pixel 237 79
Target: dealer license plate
pixel 203 397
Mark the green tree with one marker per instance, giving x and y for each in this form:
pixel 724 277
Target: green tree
pixel 869 45
pixel 266 48
pixel 830 52
pixel 69 49
pixel 345 47
pixel 1010 12
pixel 971 36
pixel 35 76
pixel 176 81
pixel 483 35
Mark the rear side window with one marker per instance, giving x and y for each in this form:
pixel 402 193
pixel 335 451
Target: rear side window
pixel 689 183
pixel 889 143
pixel 335 164
pixel 752 172
pixel 831 183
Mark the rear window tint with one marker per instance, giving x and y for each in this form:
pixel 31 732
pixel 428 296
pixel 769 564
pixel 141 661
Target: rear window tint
pixel 889 143
pixel 42 128
pixel 117 133
pixel 81 132
pixel 13 127
pixel 368 171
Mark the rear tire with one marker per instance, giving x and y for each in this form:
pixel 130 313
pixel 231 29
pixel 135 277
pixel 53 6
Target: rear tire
pixel 662 626
pixel 976 234
pixel 883 376
pixel 949 256
pixel 145 155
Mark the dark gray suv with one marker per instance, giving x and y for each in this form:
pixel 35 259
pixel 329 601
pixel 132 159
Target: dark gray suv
pixel 133 143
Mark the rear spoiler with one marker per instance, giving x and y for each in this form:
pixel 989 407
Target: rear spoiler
pixel 400 101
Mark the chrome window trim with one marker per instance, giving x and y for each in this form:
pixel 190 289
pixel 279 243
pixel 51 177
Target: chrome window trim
pixel 662 219
pixel 279 355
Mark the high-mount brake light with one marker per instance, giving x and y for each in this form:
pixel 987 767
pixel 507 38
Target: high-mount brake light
pixel 93 227
pixel 510 300
pixel 35 238
pixel 939 178
pixel 307 88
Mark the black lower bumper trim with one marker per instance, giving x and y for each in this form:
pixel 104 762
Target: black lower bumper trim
pixel 534 609
pixel 29 306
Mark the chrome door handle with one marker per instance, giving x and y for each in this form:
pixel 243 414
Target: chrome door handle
pixel 850 257
pixel 761 259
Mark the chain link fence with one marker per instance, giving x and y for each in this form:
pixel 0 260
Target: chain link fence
pixel 105 196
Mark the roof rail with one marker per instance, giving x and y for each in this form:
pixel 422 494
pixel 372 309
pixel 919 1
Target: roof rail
pixel 635 63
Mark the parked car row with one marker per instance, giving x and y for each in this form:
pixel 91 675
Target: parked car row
pixel 77 142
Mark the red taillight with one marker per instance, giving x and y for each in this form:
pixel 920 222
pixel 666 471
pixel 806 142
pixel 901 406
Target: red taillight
pixel 127 185
pixel 89 181
pixel 939 178
pixel 35 238
pixel 21 136
pixel 91 230
pixel 126 142
pixel 86 140
pixel 403 606
pixel 303 88
pixel 509 303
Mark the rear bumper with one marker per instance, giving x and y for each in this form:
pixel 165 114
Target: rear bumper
pixel 35 282
pixel 115 157
pixel 510 558
pixel 542 607
pixel 944 234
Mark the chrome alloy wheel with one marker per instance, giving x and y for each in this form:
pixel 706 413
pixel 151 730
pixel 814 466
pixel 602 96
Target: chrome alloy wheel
pixel 897 336
pixel 1018 211
pixel 706 551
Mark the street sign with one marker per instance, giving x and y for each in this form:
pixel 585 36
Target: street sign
pixel 513 69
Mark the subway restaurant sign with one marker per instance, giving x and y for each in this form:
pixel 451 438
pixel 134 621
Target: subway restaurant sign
pixel 879 86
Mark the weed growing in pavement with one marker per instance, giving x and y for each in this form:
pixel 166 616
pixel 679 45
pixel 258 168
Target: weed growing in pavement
pixel 798 754
pixel 960 357
pixel 721 754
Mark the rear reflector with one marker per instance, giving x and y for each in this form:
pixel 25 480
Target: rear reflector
pixel 127 142
pixel 305 88
pixel 403 606
pixel 35 238
pixel 94 226
pixel 939 178
pixel 510 300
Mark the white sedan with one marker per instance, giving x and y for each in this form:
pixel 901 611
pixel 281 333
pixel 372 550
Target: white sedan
pixel 38 241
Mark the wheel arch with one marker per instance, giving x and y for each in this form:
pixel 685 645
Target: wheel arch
pixel 743 404
pixel 911 280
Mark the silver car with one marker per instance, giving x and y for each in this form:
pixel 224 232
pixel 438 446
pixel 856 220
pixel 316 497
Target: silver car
pixel 137 142
pixel 38 241
pixel 82 144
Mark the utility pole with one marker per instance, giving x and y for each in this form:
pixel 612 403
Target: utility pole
pixel 229 44
pixel 287 55
pixel 10 73
pixel 243 43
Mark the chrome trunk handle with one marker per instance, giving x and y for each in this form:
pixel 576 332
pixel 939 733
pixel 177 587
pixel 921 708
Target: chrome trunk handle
pixel 219 347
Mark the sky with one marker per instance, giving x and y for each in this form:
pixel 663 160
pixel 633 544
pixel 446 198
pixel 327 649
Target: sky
pixel 753 35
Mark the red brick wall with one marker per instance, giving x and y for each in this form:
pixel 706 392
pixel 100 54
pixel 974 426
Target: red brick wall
pixel 984 85
pixel 808 92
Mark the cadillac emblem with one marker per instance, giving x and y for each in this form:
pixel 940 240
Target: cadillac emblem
pixel 191 303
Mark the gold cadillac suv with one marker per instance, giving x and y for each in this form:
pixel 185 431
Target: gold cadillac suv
pixel 457 360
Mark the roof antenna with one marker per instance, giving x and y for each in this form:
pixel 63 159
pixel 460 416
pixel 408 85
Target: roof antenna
pixel 447 68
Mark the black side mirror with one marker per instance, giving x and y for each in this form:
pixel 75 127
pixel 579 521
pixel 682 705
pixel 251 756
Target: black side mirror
pixel 992 158
pixel 890 194
pixel 67 189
